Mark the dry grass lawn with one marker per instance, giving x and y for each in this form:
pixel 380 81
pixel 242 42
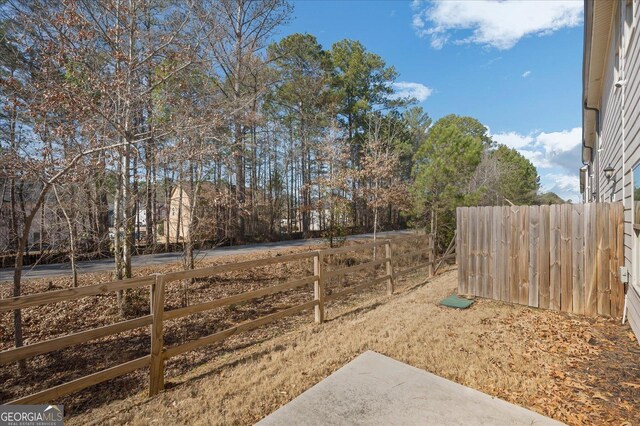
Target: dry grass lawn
pixel 577 370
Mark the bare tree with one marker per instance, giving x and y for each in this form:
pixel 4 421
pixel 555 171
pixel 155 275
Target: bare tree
pixel 333 182
pixel 381 170
pixel 72 237
pixel 240 29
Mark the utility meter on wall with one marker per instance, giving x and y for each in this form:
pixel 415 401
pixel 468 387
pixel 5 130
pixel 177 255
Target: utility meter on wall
pixel 624 274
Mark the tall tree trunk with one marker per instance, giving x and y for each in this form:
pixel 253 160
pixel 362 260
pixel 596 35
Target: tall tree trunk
pixel 72 234
pixel 129 129
pixel 13 239
pixel 42 224
pixel 17 271
pixel 135 207
pixel 305 179
pixel 148 197
pixel 118 234
pixel 167 208
pixel 179 221
pixel 238 144
pixel 240 182
pixel 375 215
pixel 150 152
pixel 102 208
pixel 13 230
pixel 354 165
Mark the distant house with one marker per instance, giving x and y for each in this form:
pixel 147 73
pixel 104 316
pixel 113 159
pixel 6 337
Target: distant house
pixel 139 223
pixel 212 213
pixel 611 124
pixel 176 229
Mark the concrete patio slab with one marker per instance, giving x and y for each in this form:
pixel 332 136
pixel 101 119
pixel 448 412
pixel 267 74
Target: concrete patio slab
pixel 374 390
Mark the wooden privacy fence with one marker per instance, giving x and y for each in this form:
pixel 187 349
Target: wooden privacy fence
pixel 157 283
pixel 561 257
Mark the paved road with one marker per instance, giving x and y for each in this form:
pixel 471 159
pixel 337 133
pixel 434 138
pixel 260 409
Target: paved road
pixel 89 266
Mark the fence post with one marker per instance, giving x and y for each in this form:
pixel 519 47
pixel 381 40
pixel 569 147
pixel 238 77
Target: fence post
pixel 432 254
pixel 156 371
pixel 387 250
pixel 318 287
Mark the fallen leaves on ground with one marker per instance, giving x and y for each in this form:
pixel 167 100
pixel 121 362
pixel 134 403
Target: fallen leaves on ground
pixel 58 319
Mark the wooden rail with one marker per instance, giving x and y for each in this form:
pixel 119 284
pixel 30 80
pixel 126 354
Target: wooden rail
pixel 358 247
pixel 55 392
pixel 157 284
pixel 355 288
pixel 355 268
pixel 49 297
pixel 217 269
pixel 245 326
pixel 219 303
pixel 16 354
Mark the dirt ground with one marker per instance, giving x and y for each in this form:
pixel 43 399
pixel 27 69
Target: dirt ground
pixel 575 369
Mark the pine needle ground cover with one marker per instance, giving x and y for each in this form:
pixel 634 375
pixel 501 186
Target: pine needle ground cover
pixel 574 369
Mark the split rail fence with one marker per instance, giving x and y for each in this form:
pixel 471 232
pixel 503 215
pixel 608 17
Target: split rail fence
pixel 561 257
pixel 157 283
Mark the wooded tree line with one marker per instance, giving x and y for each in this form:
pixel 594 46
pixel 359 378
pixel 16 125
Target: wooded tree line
pixel 189 111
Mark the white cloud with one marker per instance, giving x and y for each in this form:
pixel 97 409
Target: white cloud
pixel 513 139
pixel 559 142
pixel 565 182
pixel 499 24
pixel 556 155
pixel 565 185
pixel 537 158
pixel 526 74
pixel 544 149
pixel 406 89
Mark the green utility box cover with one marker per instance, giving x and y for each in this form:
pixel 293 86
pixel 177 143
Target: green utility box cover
pixel 455 301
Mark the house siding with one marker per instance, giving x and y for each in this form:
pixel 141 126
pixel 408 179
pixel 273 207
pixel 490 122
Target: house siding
pixel 619 146
pixel 631 67
pixel 633 311
pixel 632 159
pixel 609 151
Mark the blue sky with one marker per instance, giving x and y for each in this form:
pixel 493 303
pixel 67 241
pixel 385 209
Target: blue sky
pixel 513 65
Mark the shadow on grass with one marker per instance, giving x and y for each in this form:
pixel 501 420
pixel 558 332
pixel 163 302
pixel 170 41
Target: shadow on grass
pixel 254 356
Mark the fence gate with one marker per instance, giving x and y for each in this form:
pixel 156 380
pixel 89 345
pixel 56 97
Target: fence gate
pixel 562 257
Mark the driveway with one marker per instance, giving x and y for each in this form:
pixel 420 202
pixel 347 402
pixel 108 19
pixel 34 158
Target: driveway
pixel 100 265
